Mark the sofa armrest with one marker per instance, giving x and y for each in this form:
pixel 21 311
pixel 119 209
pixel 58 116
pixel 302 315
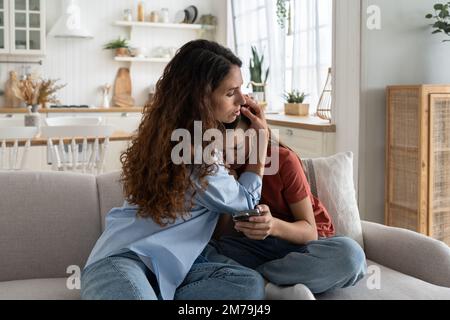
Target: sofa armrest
pixel 408 252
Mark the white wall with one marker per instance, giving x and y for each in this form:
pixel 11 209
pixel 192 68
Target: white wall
pixel 402 52
pixel 85 66
pixel 346 81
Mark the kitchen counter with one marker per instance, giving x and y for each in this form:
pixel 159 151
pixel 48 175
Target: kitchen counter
pixel 73 110
pixel 306 123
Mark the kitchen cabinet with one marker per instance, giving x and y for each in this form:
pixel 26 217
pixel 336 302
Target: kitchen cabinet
pixel 22 27
pixel 306 143
pixel 310 137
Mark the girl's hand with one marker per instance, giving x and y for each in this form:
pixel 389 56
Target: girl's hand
pixel 258 228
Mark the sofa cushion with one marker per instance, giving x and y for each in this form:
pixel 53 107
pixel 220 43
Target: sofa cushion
pixel 331 181
pixel 393 285
pixel 110 193
pixel 48 222
pixel 38 289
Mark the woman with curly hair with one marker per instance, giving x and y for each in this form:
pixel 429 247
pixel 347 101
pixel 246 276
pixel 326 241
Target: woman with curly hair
pixel 156 245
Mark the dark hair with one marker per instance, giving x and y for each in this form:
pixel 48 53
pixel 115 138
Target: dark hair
pixel 183 95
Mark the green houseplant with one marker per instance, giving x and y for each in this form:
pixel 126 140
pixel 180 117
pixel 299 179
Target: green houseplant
pixel 281 13
pixel 294 103
pixel 442 19
pixel 256 75
pixel 121 46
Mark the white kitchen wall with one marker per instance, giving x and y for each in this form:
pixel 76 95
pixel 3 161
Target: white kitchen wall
pixel 85 66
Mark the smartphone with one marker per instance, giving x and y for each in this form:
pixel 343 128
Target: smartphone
pixel 246 214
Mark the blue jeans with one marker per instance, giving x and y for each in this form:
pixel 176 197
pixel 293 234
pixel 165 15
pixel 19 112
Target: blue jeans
pixel 126 277
pixel 321 265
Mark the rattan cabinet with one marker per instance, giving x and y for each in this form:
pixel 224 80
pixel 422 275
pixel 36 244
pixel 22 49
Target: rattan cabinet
pixel 418 159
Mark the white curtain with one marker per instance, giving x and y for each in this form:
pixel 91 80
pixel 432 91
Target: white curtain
pixel 277 54
pixel 255 24
pixel 312 47
pixel 299 61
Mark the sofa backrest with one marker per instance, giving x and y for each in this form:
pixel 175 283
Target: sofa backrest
pixel 109 193
pixel 48 222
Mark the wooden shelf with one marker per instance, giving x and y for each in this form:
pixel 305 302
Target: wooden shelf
pixel 135 59
pixel 164 25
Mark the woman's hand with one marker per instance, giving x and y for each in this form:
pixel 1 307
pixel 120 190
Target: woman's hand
pixel 258 228
pixel 260 141
pixel 256 115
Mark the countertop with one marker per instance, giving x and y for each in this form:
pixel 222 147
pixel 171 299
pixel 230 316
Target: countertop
pixel 306 123
pixel 73 110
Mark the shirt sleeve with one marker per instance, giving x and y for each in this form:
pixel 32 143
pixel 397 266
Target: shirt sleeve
pixel 225 194
pixel 296 187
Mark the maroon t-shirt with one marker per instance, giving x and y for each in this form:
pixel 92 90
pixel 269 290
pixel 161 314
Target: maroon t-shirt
pixel 290 186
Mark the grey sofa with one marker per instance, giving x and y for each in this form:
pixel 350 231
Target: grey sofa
pixel 49 223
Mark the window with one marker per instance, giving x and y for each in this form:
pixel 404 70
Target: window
pixel 250 29
pixel 299 55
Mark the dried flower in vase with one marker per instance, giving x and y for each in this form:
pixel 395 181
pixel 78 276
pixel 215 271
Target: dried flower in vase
pixel 27 90
pixel 47 92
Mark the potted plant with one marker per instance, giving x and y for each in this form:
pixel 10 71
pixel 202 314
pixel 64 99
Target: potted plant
pixel 281 13
pixel 121 46
pixel 256 76
pixel 442 19
pixel 294 103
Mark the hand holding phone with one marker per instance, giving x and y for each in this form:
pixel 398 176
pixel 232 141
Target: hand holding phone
pixel 246 215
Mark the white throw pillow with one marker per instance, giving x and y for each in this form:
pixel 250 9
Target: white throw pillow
pixel 331 179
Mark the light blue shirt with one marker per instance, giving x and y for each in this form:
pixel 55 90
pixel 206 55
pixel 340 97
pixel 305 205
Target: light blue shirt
pixel 171 251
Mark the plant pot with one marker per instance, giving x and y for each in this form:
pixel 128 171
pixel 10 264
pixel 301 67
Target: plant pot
pixel 296 109
pixel 122 52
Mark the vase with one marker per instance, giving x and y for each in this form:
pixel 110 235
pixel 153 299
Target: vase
pixel 33 118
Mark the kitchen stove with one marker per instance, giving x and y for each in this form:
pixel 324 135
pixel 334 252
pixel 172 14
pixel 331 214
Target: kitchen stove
pixel 69 107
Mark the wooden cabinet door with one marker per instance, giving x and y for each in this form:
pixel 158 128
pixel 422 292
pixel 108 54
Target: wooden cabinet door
pixel 439 169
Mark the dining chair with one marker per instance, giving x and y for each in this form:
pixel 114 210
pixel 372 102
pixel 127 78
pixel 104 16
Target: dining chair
pixel 78 148
pixel 13 152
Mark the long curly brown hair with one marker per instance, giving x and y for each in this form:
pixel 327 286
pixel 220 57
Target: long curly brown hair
pixel 183 95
